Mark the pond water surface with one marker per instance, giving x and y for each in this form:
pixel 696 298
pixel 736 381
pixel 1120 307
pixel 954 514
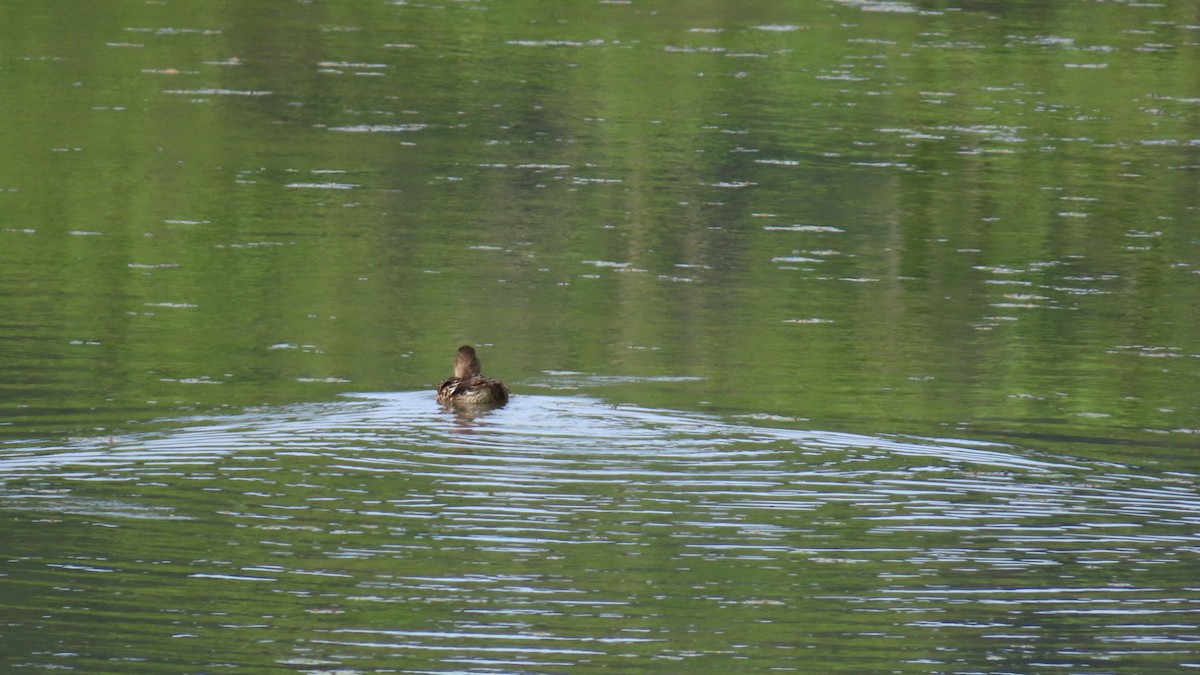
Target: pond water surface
pixel 563 534
pixel 844 335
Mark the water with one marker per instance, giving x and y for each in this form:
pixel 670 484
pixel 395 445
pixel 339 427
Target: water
pixel 845 335
pixel 566 534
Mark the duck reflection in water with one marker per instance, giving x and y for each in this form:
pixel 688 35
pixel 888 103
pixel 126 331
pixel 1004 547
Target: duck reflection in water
pixel 468 388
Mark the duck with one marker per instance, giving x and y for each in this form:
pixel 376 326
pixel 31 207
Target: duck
pixel 468 387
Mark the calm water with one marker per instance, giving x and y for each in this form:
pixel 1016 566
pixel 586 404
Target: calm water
pixel 846 335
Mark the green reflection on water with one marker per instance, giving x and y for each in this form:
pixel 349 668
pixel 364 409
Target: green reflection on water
pixel 981 220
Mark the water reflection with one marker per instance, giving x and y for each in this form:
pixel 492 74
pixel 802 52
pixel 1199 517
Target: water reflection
pixel 563 532
pixel 939 216
pixel 891 218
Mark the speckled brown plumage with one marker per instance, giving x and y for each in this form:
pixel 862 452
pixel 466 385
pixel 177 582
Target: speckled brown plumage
pixel 468 387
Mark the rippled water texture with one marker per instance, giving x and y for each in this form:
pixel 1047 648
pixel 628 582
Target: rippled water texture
pixel 568 535
pixel 844 335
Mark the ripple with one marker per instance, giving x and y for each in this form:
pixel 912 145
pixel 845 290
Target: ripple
pixel 560 530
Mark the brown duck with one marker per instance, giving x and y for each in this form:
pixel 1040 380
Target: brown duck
pixel 468 387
